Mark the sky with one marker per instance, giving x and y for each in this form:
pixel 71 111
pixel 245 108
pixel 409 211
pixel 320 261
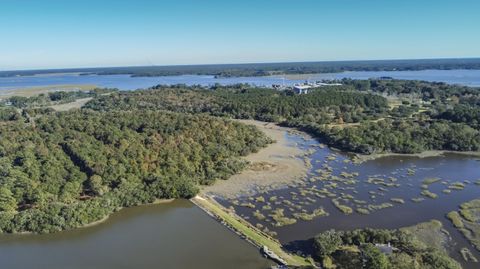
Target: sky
pixel 42 34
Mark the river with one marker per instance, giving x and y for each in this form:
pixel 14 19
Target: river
pixel 173 235
pixel 126 82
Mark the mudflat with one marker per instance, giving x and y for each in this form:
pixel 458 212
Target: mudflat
pixel 278 164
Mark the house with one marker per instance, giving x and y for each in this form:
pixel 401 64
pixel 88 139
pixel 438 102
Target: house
pixel 301 88
pixel 386 248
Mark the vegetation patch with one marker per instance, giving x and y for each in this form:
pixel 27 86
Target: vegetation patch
pixel 306 217
pixel 420 246
pixel 467 221
pixel 343 208
pixel 429 194
pixel 280 219
pixel 429 181
pixel 397 200
pixel 457 186
pixel 468 256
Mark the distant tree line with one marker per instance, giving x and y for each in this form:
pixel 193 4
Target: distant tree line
pixel 264 69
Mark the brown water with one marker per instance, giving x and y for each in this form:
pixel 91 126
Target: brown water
pixel 174 235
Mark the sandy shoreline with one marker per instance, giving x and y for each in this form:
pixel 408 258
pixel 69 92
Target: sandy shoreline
pixel 277 165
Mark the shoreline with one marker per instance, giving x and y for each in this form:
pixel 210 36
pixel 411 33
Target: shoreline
pixel 94 223
pixel 37 90
pixel 104 219
pixel 279 164
pixel 425 154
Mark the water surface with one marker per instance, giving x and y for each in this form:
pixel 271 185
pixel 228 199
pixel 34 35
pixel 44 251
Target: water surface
pixel 174 235
pixel 125 82
pixel 398 176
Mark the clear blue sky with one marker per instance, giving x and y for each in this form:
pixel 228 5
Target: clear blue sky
pixel 84 33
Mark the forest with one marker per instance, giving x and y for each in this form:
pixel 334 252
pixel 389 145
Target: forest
pixel 356 117
pixel 65 170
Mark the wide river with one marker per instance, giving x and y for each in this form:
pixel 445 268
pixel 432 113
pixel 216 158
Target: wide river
pixel 125 82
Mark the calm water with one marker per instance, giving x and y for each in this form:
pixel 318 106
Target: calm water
pixel 125 82
pixel 175 235
pixel 399 177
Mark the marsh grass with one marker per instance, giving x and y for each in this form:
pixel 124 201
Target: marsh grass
pixel 429 181
pixel 418 199
pixel 280 219
pixel 362 211
pixel 398 200
pixel 429 194
pixel 307 217
pixel 467 221
pixel 457 186
pixel 343 208
pixel 468 256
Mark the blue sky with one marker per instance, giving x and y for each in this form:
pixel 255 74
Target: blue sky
pixel 84 33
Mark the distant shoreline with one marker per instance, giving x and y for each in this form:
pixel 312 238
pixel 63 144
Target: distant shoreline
pixel 424 154
pixel 36 90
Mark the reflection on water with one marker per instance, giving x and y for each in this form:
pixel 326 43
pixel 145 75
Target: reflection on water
pixel 175 235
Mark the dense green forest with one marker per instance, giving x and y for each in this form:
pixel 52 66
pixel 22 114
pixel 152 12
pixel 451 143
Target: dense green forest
pixel 354 117
pixel 358 249
pixel 65 170
pixel 264 69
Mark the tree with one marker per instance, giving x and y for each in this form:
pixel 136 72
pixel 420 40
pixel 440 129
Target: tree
pixel 327 242
pixel 374 258
pixel 7 201
pixel 95 183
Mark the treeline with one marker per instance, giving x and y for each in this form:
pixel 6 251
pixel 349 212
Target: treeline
pixel 462 113
pixel 436 92
pixel 369 249
pixel 399 136
pixel 263 69
pixel 66 170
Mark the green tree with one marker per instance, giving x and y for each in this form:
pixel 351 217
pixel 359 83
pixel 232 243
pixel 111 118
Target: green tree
pixel 7 201
pixel 327 242
pixel 374 258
